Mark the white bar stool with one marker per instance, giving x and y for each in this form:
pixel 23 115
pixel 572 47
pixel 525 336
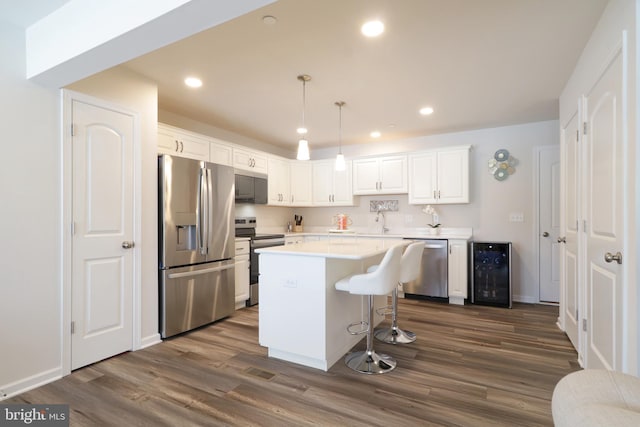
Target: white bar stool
pixel 379 282
pixel 409 270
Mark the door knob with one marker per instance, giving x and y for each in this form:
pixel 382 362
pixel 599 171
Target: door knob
pixel 128 245
pixel 545 234
pixel 609 257
pixel 562 240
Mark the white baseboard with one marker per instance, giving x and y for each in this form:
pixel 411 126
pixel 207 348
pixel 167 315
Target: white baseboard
pixel 26 384
pixel 149 341
pixel 525 299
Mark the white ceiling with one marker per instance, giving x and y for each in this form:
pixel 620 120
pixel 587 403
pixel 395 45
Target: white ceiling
pixel 479 63
pixel 26 12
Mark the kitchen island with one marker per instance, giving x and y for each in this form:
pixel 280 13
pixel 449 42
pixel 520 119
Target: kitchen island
pixel 302 317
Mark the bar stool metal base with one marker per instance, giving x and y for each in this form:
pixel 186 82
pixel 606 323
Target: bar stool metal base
pixel 394 335
pixel 370 362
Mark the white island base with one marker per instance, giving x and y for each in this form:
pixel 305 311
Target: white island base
pixel 302 317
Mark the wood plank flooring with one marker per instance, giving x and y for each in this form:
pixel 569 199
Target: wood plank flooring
pixel 470 366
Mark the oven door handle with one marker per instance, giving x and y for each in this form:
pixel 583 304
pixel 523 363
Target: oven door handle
pixel 266 244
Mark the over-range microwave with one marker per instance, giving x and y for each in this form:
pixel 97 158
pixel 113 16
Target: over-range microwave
pixel 251 187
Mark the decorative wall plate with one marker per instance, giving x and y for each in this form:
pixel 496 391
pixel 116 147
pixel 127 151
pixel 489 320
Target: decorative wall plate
pixel 502 155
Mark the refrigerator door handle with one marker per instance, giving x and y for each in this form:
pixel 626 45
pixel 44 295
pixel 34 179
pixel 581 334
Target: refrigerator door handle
pixel 200 213
pixel 199 272
pixel 209 191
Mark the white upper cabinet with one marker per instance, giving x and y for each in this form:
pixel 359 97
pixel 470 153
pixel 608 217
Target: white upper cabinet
pixel 278 181
pixel 380 175
pixel 220 153
pixel 253 161
pixel 439 176
pixel 331 187
pixel 182 143
pixel 300 177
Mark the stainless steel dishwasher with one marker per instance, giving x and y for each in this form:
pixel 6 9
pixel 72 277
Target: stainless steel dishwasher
pixel 432 281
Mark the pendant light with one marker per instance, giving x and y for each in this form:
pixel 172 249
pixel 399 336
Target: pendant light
pixel 340 163
pixel 303 144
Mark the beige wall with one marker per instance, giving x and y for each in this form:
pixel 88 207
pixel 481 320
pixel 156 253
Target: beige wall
pixel 30 316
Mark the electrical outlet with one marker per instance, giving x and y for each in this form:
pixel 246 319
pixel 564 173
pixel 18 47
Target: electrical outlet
pixel 516 217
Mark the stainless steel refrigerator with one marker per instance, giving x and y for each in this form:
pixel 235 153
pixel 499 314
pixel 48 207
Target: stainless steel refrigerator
pixel 196 243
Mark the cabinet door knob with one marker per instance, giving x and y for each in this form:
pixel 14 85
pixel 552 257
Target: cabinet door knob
pixel 562 240
pixel 545 234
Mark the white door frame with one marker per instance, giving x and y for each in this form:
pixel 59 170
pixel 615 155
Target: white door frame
pixel 536 214
pixel 66 162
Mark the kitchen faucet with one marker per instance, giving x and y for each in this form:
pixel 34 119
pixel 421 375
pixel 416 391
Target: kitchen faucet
pixel 380 213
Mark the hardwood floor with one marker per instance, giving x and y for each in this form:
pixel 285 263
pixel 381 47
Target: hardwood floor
pixel 470 366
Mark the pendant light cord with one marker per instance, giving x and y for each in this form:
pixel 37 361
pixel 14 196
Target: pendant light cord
pixel 340 104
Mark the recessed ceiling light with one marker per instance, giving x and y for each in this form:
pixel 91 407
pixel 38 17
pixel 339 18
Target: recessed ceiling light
pixel 302 130
pixel 269 20
pixel 372 28
pixel 193 82
pixel 425 111
pixel 375 134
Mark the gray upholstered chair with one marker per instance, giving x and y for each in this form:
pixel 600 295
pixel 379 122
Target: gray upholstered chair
pixel 596 397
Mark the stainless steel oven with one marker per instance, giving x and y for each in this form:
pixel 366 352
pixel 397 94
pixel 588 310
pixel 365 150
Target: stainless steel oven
pixel 246 227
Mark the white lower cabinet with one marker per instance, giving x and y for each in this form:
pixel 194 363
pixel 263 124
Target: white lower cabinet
pixel 242 272
pixel 458 253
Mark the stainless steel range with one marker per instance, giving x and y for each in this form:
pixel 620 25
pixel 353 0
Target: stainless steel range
pixel 246 227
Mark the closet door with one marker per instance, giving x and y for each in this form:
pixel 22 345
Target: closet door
pixel 570 210
pixel 605 180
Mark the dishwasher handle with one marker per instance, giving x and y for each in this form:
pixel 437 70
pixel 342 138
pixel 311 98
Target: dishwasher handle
pixel 435 246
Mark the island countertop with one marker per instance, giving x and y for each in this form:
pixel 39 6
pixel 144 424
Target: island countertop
pixel 339 248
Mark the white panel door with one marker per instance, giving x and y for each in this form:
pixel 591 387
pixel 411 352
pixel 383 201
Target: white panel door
pixel 549 223
pixel 605 199
pixel 102 266
pixel 570 208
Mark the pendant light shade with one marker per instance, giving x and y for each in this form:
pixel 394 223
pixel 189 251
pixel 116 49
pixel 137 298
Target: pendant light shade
pixel 303 144
pixel 340 163
pixel 303 150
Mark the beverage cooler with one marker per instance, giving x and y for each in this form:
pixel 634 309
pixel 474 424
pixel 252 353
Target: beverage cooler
pixel 491 273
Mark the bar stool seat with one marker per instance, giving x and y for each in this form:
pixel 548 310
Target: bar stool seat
pixel 379 282
pixel 409 271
